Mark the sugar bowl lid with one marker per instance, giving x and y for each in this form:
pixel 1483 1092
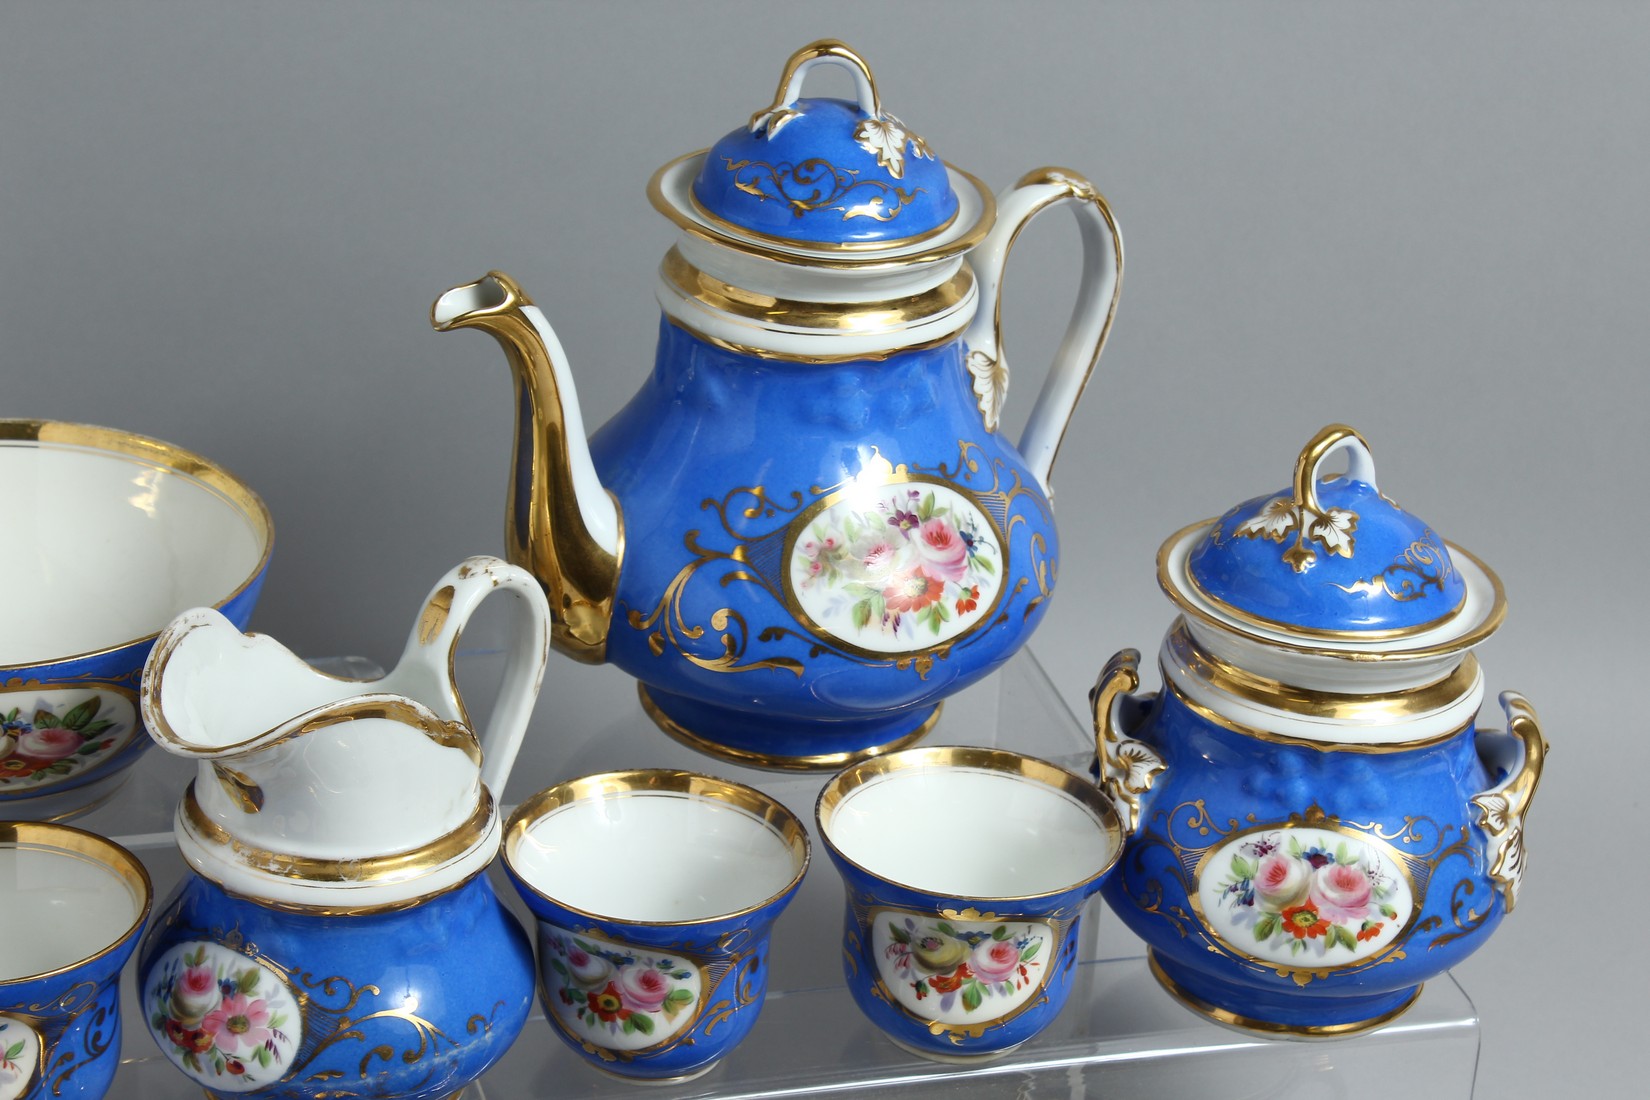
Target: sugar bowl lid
pixel 825 179
pixel 1334 565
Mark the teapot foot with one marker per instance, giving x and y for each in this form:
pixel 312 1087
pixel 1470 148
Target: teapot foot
pixel 755 740
pixel 1287 1015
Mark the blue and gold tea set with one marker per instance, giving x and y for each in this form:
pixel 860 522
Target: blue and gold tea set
pixel 800 537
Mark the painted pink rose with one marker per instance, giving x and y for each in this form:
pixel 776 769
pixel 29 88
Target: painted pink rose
pixel 943 550
pixel 238 1023
pixel 642 988
pixel 995 960
pixel 49 744
pixel 588 970
pixel 879 558
pixel 194 994
pixel 1280 882
pixel 1341 892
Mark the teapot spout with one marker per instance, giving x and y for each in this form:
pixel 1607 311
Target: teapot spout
pixel 561 524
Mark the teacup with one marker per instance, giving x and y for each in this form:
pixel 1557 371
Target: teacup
pixel 73 904
pixel 108 536
pixel 967 870
pixel 655 892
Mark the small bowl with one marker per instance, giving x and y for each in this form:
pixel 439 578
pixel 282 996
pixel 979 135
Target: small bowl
pixel 654 892
pixel 109 536
pixel 75 904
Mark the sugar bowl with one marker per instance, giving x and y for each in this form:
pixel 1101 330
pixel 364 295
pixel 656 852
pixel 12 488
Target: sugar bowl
pixel 1315 823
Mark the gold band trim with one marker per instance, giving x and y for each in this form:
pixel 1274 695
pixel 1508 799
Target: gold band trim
pixel 399 867
pixel 749 758
pixel 1275 738
pixel 1004 761
pixel 1366 709
pixel 812 254
pixel 1170 585
pixel 100 850
pixel 1266 1027
pixel 792 357
pixel 825 317
pixel 112 441
pixel 645 781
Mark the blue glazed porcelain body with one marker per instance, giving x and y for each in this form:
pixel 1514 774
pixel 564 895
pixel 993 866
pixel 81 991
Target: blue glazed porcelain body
pixel 969 951
pixel 655 894
pixel 60 1027
pixel 171 529
pixel 1316 823
pixel 806 530
pixel 415 1004
pixel 746 603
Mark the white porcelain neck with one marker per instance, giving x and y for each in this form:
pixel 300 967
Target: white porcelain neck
pixel 816 314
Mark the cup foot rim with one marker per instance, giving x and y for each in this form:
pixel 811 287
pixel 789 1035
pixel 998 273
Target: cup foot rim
pixel 954 1059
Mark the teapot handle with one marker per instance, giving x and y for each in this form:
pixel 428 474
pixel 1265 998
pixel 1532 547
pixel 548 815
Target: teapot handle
pixel 1090 319
pixel 432 645
pixel 1127 768
pixel 1517 756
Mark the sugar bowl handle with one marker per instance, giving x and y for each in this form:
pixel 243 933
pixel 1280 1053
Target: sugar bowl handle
pixel 1127 768
pixel 433 643
pixel 1090 318
pixel 1517 756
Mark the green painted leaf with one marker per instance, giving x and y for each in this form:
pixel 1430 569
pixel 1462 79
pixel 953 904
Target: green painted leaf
pixel 972 995
pixel 945 929
pixel 676 1001
pixel 1031 950
pixel 862 614
pixel 900 935
pixel 983 564
pixel 1342 855
pixel 1243 868
pixel 630 1023
pixel 1391 913
pixel 682 976
pixel 45 720
pixel 248 980
pixel 94 728
pixel 14 1050
pixel 1295 846
pixel 1294 947
pixel 1000 932
pixel 642 1022
pixel 10 715
pixel 89 748
pixel 1266 926
pixel 85 712
pixel 262 1055
pixel 559 968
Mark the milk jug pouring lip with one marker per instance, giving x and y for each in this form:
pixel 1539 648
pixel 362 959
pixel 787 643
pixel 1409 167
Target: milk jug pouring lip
pixel 314 791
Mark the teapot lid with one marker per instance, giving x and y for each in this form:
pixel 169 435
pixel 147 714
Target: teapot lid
pixel 826 179
pixel 1334 563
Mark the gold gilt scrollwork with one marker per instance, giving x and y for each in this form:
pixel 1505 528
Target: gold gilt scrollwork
pixel 817 184
pixel 759 559
pixel 1423 565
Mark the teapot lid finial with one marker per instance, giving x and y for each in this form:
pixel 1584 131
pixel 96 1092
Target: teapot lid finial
pixel 812 176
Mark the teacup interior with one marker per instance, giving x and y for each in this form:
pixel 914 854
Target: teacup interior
pixel 969 832
pixel 104 548
pixel 654 856
pixel 59 907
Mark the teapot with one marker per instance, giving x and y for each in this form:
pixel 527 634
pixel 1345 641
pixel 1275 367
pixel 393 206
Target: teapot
pixel 1315 823
pixel 338 934
pixel 806 529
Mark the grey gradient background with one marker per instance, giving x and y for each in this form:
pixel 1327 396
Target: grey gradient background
pixel 222 225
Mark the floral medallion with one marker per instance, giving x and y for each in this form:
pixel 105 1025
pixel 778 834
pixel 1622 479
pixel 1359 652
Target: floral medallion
pixel 227 1021
pixel 895 568
pixel 959 972
pixel 49 735
pixel 615 996
pixel 1305 897
pixel 19 1057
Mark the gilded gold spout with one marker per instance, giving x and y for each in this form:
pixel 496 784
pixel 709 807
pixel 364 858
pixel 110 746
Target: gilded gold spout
pixel 561 525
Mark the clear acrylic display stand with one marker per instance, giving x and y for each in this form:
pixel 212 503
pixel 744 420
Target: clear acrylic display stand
pixel 1120 1032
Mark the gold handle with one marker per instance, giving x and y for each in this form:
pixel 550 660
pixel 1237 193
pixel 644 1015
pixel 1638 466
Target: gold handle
pixel 1127 767
pixel 1503 808
pixel 1329 440
pixel 1091 317
pixel 826 51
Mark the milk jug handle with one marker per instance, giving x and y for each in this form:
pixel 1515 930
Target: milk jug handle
pixel 1125 768
pixel 1091 317
pixel 432 645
